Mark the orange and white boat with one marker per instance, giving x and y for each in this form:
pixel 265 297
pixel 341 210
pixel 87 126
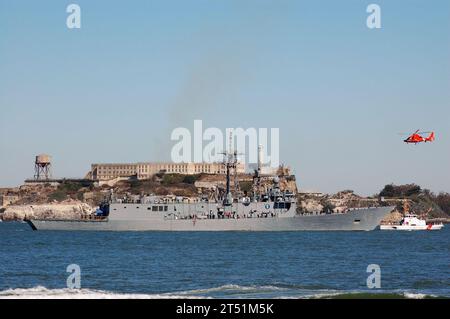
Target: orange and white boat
pixel 412 222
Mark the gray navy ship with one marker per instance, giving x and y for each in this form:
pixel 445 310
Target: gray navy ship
pixel 272 210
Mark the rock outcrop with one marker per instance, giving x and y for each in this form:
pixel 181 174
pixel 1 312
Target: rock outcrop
pixel 392 218
pixel 46 211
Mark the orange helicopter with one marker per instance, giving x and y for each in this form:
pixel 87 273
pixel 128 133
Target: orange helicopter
pixel 417 137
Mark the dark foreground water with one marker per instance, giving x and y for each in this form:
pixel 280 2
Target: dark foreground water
pixel 227 265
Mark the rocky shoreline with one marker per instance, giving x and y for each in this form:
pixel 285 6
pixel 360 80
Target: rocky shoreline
pixel 71 200
pixel 46 211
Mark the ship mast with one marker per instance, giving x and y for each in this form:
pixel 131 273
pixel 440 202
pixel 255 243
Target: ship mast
pixel 230 162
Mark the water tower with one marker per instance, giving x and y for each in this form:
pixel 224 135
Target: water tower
pixel 42 167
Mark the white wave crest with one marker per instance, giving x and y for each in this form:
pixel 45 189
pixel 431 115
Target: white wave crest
pixel 411 295
pixel 40 292
pixel 230 290
pixel 233 288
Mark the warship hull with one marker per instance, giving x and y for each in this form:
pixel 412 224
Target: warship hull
pixel 357 220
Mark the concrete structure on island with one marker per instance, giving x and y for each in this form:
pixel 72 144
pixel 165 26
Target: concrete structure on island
pixel 146 170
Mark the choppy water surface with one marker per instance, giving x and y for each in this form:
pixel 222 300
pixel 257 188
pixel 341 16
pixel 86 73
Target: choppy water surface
pixel 222 265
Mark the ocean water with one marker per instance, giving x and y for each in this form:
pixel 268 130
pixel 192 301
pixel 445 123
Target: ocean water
pixel 222 265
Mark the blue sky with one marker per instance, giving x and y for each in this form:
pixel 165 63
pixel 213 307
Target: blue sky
pixel 340 93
